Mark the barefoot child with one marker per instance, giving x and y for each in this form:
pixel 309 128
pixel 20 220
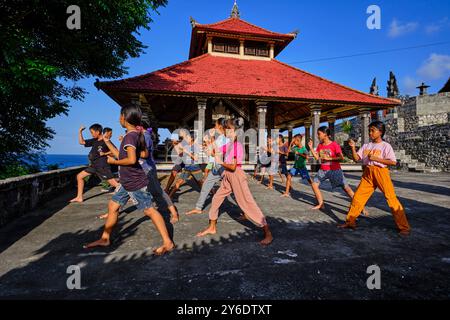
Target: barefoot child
pixel 208 147
pixel 97 160
pixel 178 166
pixel 376 156
pixel 154 186
pixel 215 176
pixel 330 154
pixel 283 151
pixel 235 181
pixel 274 149
pixel 301 155
pixel 133 181
pixel 264 158
pixel 191 169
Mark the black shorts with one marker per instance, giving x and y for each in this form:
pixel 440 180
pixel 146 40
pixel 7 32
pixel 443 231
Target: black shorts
pixel 103 173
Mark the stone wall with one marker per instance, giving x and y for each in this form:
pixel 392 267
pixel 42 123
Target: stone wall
pixel 433 104
pixel 21 194
pixel 428 144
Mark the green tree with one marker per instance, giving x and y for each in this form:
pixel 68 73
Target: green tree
pixel 41 59
pixel 347 127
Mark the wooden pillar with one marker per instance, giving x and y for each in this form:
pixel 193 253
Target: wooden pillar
pixel 201 105
pixel 365 119
pixel 241 48
pixel 199 126
pixel 272 51
pixel 290 133
pixel 210 44
pixel 331 118
pixel 315 115
pixel 262 112
pixel 307 125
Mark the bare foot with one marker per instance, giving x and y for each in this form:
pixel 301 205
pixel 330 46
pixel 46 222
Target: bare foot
pixel 174 218
pixel 268 238
pixel 269 188
pixel 347 226
pixel 102 216
pixel 318 207
pixel 194 211
pixel 76 200
pixel 365 212
pixel 98 243
pixel 206 232
pixel 165 248
pixel 285 195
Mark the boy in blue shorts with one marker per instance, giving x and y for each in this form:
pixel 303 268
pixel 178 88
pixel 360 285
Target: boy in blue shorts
pixel 301 155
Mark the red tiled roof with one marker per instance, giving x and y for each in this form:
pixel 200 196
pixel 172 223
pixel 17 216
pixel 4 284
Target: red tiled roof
pixel 238 26
pixel 212 75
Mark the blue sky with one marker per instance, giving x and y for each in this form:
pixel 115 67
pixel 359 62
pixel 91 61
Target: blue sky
pixel 327 29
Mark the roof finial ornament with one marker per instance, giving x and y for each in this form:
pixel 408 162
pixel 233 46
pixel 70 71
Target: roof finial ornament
pixel 295 33
pixel 193 22
pixel 235 11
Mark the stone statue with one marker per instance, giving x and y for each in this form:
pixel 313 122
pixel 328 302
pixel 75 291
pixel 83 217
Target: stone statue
pixel 392 88
pixel 374 87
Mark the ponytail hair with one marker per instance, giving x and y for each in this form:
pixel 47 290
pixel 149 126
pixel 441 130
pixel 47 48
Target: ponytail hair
pixel 132 114
pixel 326 130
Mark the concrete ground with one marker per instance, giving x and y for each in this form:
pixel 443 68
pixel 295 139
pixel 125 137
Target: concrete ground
pixel 309 259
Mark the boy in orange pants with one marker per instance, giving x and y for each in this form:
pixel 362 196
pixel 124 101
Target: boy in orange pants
pixel 376 156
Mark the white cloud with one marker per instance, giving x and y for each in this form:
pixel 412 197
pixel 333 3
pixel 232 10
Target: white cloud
pixel 433 28
pixel 409 85
pixel 435 67
pixel 436 27
pixel 397 29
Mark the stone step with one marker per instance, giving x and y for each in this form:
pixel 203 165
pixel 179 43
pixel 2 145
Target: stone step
pixel 431 170
pixel 400 153
pixel 421 170
pixel 407 158
pixel 406 162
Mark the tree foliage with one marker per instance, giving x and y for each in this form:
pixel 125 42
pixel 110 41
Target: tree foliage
pixel 41 60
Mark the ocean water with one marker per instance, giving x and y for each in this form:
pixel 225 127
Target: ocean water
pixel 66 160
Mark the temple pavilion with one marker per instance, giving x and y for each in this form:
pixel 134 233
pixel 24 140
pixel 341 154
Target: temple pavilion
pixel 233 71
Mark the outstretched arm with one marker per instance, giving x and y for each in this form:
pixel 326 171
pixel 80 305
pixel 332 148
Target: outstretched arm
pixel 311 147
pixel 111 148
pixel 128 161
pixel 355 155
pixel 80 136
